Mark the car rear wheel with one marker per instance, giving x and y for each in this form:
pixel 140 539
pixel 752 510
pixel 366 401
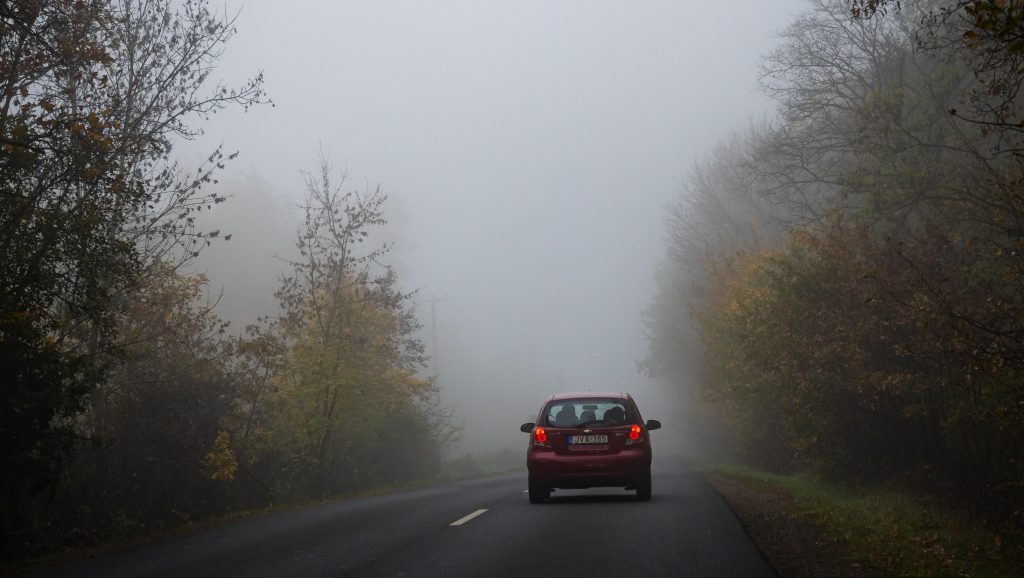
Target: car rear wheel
pixel 643 488
pixel 538 492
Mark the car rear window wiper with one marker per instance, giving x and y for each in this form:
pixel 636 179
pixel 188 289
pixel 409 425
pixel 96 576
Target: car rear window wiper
pixel 584 424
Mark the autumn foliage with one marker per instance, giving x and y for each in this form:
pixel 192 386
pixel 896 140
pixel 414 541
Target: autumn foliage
pixel 129 406
pixel 852 274
pixel 834 353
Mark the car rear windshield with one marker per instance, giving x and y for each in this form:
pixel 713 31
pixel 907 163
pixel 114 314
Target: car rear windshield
pixel 600 412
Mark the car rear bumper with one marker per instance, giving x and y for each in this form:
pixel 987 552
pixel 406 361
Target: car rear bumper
pixel 588 471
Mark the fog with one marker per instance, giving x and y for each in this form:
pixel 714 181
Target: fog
pixel 529 150
pixel 328 257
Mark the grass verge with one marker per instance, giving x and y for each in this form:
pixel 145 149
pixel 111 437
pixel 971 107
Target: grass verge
pixel 897 533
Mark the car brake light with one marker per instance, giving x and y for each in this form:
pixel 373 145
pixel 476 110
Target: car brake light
pixel 634 436
pixel 540 435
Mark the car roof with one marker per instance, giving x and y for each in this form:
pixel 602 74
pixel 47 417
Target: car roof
pixel 588 395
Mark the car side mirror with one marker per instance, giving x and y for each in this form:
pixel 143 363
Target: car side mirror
pixel 653 424
pixel 527 427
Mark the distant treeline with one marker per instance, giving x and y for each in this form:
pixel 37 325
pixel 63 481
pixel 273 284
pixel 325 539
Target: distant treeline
pixel 845 282
pixel 127 405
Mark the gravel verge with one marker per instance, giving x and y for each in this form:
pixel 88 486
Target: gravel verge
pixel 792 544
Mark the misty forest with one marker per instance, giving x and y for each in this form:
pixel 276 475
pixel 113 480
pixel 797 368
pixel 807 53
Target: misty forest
pixel 844 285
pixel 836 288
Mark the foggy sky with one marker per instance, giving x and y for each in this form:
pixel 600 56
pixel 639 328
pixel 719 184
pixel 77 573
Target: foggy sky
pixel 529 149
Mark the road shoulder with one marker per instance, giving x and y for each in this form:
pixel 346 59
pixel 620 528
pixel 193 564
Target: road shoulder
pixel 794 546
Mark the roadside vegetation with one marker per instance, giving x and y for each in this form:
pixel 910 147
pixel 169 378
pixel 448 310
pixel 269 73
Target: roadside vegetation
pixel 889 530
pixel 470 465
pixel 844 288
pixel 128 406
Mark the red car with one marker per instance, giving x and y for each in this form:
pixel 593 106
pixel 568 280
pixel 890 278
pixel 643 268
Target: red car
pixel 586 440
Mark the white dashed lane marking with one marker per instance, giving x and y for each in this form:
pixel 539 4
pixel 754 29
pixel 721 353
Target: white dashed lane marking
pixel 465 519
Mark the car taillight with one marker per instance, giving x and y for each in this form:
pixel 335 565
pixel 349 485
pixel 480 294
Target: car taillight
pixel 540 435
pixel 634 436
pixel 540 439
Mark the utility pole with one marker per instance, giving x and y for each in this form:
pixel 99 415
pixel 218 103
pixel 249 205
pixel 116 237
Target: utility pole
pixel 433 332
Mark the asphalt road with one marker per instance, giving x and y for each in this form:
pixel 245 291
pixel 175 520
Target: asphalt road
pixel 685 530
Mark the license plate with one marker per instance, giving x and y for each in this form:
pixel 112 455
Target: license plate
pixel 593 439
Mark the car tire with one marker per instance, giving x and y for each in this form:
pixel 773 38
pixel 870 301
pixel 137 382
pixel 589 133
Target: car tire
pixel 643 488
pixel 538 492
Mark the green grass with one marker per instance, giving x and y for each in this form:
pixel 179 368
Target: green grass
pixel 896 532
